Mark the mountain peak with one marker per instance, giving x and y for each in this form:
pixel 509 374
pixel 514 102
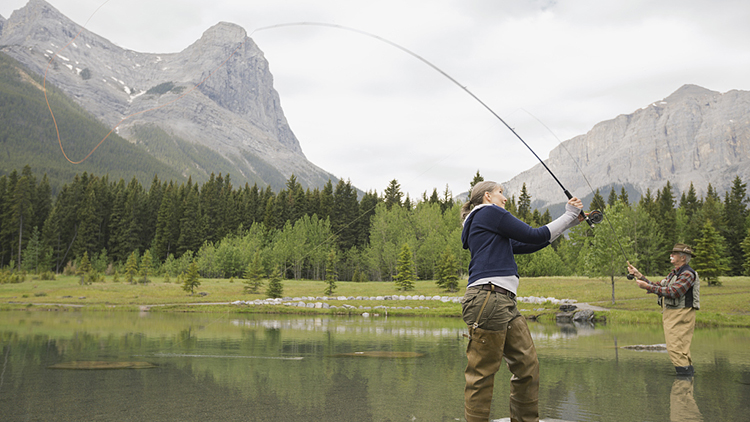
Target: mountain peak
pixel 37 20
pixel 226 30
pixel 219 37
pixel 694 135
pixel 689 91
pixel 219 93
pixel 36 8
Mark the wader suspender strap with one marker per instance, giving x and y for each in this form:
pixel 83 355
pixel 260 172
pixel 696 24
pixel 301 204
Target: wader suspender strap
pixel 486 298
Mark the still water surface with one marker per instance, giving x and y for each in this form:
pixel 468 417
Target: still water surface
pixel 294 368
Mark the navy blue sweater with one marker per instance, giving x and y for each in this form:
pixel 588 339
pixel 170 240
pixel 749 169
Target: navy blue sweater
pixel 493 235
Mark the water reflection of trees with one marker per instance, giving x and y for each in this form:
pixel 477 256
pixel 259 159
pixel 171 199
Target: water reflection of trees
pixel 579 374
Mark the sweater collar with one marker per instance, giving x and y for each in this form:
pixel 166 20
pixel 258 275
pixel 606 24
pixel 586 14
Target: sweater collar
pixel 473 210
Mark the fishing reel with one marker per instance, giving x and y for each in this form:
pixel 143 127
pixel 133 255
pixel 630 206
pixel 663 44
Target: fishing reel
pixel 595 217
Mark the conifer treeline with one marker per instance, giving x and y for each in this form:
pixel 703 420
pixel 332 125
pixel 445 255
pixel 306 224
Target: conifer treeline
pixel 226 229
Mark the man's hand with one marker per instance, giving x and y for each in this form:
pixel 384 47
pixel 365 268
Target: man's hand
pixel 634 271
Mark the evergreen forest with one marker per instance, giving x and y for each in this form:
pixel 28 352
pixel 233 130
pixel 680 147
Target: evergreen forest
pixel 119 227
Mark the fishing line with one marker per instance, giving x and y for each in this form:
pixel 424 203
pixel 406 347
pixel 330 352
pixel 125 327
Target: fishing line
pixel 449 77
pixel 54 120
pixel 604 215
pixel 589 219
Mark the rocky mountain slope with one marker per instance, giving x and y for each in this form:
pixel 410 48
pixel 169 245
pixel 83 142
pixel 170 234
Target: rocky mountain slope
pixel 694 135
pixel 170 103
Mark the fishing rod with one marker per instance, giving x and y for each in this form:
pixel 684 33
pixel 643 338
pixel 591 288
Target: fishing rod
pixel 603 215
pixel 593 217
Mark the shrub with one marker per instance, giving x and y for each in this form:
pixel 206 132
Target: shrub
pixel 70 268
pixel 47 275
pixel 161 89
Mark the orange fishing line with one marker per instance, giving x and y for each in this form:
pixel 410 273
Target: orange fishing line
pixel 54 120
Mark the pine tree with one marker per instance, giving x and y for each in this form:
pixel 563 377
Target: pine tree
pixel 275 289
pixel 597 203
pixel 746 251
pixel 253 274
pixel 667 214
pixel 84 268
pixel 331 273
pixel 536 218
pixel 624 196
pixel 510 206
pixel 33 254
pixel 393 194
pixel 164 235
pixel 88 227
pixel 405 274
pixel 131 268
pixel 101 261
pixel 689 202
pixel 211 208
pixel 690 219
pixel 710 261
pixel 447 201
pixel 312 202
pixel 612 197
pixel 712 209
pixel 447 272
pixel 546 218
pixel 524 205
pixel 21 210
pixel 326 200
pixel 295 199
pixel 191 226
pixel 146 267
pixel 735 214
pixel 407 203
pixel 367 205
pixel 363 278
pixel 646 203
pixel 477 178
pixel 345 214
pixel 192 278
pixel 43 202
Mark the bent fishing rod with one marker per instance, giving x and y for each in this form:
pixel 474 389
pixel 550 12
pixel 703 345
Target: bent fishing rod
pixel 604 216
pixel 593 217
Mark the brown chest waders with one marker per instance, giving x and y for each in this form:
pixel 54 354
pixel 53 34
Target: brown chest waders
pixel 475 325
pixel 485 352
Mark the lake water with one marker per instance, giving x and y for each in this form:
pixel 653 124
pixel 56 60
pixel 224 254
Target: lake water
pixel 220 367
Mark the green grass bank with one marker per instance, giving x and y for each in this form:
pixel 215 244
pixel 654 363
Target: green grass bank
pixel 725 305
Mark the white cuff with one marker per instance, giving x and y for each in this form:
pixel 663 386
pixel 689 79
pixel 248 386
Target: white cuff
pixel 564 222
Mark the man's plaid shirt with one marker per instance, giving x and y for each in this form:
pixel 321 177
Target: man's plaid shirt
pixel 677 289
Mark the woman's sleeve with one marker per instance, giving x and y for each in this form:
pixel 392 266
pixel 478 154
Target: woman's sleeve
pixel 524 248
pixel 515 229
pixel 564 222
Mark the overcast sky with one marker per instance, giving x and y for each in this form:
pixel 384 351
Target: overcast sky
pixel 366 111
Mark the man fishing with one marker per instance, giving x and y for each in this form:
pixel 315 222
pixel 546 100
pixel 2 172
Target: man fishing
pixel 679 296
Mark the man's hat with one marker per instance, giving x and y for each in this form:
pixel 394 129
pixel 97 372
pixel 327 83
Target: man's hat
pixel 681 247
